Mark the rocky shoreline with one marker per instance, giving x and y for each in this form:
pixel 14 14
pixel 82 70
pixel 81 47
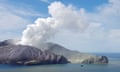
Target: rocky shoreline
pixel 54 54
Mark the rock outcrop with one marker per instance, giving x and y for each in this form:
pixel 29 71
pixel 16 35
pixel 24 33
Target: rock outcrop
pixel 27 55
pixel 5 42
pixel 75 56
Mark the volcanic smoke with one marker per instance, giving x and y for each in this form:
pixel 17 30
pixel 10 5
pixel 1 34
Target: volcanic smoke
pixel 61 16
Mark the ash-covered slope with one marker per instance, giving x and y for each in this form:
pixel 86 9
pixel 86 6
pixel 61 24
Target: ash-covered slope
pixel 54 54
pixel 75 56
pixel 27 55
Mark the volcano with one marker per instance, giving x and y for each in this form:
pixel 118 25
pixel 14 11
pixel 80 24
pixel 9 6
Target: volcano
pixel 10 53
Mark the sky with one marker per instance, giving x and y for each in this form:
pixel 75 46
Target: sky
pixel 102 33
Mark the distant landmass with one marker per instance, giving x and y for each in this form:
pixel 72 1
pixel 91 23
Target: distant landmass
pixel 53 54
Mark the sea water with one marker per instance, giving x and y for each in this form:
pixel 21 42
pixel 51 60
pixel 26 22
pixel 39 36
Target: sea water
pixel 113 66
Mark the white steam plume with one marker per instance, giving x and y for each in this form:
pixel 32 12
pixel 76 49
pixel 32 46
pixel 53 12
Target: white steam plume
pixel 36 34
pixel 61 16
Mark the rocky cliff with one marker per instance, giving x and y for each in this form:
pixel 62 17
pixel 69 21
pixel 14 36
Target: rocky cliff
pixel 75 56
pixel 27 55
pixel 54 54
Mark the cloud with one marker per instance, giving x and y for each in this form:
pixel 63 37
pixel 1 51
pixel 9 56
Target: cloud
pixel 4 35
pixel 62 16
pixel 10 18
pixel 10 23
pixel 14 19
pixel 108 14
pixel 68 16
pixel 112 8
pixel 78 29
pixel 115 33
pixel 26 10
pixel 102 33
pixel 97 28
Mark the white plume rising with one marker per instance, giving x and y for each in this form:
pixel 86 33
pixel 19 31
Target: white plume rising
pixel 62 16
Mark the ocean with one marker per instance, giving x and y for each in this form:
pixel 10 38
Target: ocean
pixel 113 66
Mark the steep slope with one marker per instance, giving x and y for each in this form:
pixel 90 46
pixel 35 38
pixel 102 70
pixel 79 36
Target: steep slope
pixel 27 55
pixel 75 56
pixel 54 52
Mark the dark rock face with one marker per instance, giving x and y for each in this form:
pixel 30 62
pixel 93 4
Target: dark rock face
pixel 97 60
pixel 27 55
pixel 75 56
pixel 103 59
pixel 8 42
pixel 4 43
